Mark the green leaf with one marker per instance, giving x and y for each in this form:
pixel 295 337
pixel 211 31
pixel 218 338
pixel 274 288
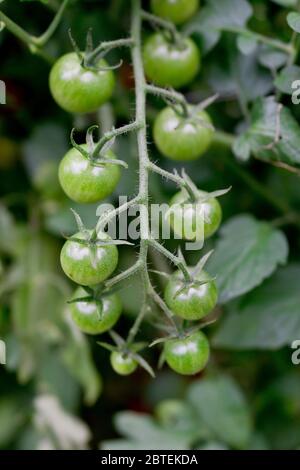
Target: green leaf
pixel 272 59
pixel 37 303
pixel 79 223
pixel 62 221
pixel 267 318
pixel 286 3
pixel 142 430
pixel 274 133
pixel 293 19
pixel 42 152
pixel 249 251
pixel 212 445
pixel 258 442
pixel 238 76
pixel 286 77
pixel 144 364
pixel 71 434
pixel 8 240
pixel 246 44
pixel 78 358
pixel 216 16
pixel 241 148
pixel 12 417
pixel 222 406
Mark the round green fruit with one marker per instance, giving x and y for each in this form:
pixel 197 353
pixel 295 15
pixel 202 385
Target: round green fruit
pixel 88 265
pixel 84 182
pixel 175 414
pixel 78 89
pixel 122 364
pixel 177 11
pixel 182 138
pixel 87 316
pixel 187 356
pixel 194 301
pixel 168 64
pixel 194 221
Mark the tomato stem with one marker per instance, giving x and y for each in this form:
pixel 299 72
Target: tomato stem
pixel 133 126
pixel 175 259
pixel 35 43
pixel 166 25
pixel 105 47
pixel 275 43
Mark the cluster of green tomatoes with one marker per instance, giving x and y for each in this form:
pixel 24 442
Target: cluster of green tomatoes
pixel 89 257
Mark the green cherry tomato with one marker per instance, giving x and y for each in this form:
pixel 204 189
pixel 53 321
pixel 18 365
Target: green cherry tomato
pixel 88 265
pixel 177 11
pixel 87 317
pixel 194 221
pixel 181 138
pixel 175 414
pixel 187 356
pixel 194 301
pixel 122 364
pixel 77 89
pixel 168 64
pixel 84 182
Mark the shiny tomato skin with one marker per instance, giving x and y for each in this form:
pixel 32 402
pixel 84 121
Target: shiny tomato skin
pixel 194 302
pixel 122 364
pixel 86 316
pixel 177 11
pixel 194 221
pixel 84 182
pixel 77 89
pixel 187 356
pixel 179 138
pixel 168 65
pixel 76 261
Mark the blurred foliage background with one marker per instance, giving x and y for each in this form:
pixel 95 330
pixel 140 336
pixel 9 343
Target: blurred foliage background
pixel 57 389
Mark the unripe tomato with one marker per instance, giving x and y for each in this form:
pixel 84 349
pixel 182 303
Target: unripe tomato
pixel 181 138
pixel 194 221
pixel 45 180
pixel 177 11
pixel 195 301
pixel 122 364
pixel 174 414
pixel 78 89
pixel 168 64
pixel 86 315
pixel 84 182
pixel 88 265
pixel 187 356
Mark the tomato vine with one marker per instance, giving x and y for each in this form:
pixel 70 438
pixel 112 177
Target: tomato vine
pixel 89 258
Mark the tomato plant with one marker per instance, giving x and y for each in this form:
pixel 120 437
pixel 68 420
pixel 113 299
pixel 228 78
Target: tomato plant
pixel 169 270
